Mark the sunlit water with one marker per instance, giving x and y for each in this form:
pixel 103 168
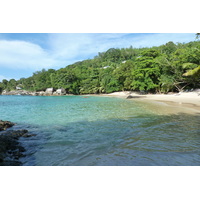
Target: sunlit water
pixel 73 130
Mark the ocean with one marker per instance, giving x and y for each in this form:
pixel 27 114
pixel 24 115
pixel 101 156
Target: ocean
pixel 101 131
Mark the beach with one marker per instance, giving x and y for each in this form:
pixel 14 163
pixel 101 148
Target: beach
pixel 184 102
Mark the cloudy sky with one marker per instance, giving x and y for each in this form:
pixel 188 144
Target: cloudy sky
pixel 23 54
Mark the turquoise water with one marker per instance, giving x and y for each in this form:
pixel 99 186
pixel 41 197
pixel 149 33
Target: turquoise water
pixel 78 131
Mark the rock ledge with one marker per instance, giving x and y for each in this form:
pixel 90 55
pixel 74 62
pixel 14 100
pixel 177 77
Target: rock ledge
pixel 10 148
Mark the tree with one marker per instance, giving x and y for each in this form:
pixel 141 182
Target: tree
pixel 197 35
pixel 193 75
pixel 124 75
pixel 42 79
pixel 168 48
pixel 169 67
pixel 146 71
pixel 113 55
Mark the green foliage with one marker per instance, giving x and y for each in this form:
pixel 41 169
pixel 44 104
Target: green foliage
pixel 168 48
pixel 166 83
pixel 3 85
pixel 193 72
pixel 42 79
pixel 169 67
pixel 146 71
pixel 123 74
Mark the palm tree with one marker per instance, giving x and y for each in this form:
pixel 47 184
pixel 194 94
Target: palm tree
pixel 191 72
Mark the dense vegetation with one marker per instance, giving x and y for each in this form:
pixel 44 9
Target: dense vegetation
pixel 169 67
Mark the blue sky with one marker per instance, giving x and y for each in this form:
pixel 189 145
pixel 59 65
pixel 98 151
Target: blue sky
pixel 21 54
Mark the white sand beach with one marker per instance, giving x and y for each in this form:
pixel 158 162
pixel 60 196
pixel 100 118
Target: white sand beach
pixel 186 102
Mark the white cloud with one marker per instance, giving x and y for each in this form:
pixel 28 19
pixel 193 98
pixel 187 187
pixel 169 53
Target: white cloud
pixel 70 46
pixel 64 49
pixel 23 55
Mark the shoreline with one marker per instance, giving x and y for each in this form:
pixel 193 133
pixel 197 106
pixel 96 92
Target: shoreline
pixel 11 149
pixel 185 102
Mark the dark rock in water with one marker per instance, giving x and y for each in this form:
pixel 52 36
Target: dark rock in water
pixel 10 148
pixel 132 97
pixel 16 134
pixel 129 97
pixel 5 124
pixel 28 135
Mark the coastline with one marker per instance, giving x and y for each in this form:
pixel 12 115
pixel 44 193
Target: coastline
pixel 185 102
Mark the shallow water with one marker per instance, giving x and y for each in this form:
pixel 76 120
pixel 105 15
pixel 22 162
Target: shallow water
pixel 77 131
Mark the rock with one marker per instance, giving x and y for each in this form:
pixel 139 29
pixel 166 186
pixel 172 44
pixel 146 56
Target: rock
pixel 34 94
pixel 8 151
pixel 18 133
pixel 129 97
pixel 16 92
pixel 28 135
pixel 10 148
pixel 4 92
pixel 5 124
pixel 61 91
pixel 49 91
pixel 41 93
pixel 135 97
pixel 55 94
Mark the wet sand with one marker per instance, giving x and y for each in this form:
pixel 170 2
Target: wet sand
pixel 186 102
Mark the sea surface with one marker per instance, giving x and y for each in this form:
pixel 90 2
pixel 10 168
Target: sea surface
pixel 101 131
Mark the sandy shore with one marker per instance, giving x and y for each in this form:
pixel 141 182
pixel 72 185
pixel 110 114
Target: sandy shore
pixel 186 102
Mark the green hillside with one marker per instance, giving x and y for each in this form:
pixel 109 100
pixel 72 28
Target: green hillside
pixel 167 68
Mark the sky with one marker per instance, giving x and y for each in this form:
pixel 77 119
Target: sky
pixel 21 54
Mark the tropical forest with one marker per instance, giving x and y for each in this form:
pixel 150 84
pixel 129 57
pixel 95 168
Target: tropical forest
pixel 162 69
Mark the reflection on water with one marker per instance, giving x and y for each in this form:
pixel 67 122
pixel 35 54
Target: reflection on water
pixel 102 131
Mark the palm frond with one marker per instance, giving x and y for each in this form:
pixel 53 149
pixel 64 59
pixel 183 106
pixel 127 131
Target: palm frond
pixel 189 66
pixel 193 72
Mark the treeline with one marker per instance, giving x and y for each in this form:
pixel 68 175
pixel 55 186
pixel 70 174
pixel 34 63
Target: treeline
pixel 167 68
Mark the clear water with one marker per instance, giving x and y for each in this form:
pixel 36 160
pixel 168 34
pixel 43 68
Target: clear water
pixel 78 131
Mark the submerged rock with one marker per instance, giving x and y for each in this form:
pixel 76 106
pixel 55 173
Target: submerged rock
pixel 10 149
pixel 18 133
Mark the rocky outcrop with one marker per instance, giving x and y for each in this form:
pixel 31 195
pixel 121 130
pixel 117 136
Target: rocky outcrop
pixel 10 148
pixel 59 92
pixel 135 97
pixel 5 124
pixel 10 151
pixel 17 133
pixel 48 92
pixel 16 92
pixel 41 93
